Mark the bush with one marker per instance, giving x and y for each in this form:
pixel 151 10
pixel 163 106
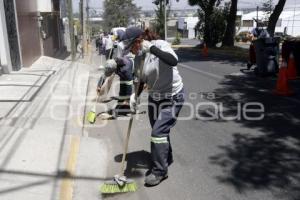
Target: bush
pixel 177 39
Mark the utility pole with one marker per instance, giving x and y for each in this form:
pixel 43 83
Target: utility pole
pixel 166 20
pixel 71 28
pixel 87 20
pixel 81 26
pixel 84 15
pixel 81 16
pixel 257 9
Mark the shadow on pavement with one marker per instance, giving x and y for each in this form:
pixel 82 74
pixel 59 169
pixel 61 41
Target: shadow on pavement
pixel 192 55
pixel 48 178
pixel 267 154
pixel 135 161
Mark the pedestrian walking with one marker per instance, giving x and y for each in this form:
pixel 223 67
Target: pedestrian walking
pixel 166 95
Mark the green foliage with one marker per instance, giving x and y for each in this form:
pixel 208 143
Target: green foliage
pixel 118 13
pixel 177 39
pixel 160 18
pixel 268 7
pixel 216 28
pixel 207 16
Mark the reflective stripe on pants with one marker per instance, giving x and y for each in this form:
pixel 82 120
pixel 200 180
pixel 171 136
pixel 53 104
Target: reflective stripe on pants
pixel 163 116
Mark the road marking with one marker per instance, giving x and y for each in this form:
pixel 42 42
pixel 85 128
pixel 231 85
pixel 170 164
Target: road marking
pixel 66 189
pixel 220 77
pixel 201 71
pixel 237 74
pixel 293 100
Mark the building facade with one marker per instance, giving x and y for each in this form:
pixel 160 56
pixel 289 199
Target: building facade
pixel 288 22
pixel 29 29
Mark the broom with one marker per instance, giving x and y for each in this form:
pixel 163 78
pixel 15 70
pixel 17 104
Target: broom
pixel 92 115
pixel 120 183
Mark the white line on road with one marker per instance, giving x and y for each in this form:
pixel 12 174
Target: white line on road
pixel 201 71
pixel 293 100
pixel 221 77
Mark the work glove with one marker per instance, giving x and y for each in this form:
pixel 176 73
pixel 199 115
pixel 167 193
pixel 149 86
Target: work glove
pixel 133 103
pixel 100 83
pixel 146 45
pixel 110 67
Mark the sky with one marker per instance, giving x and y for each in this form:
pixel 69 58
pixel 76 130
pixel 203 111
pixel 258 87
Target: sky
pixel 183 4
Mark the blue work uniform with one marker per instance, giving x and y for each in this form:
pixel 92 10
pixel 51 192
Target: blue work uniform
pixel 166 98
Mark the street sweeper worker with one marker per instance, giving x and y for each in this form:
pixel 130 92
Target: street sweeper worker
pixel 121 49
pixel 123 67
pixel 166 95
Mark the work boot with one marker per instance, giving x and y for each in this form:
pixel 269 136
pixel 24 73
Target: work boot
pixel 170 161
pixel 153 179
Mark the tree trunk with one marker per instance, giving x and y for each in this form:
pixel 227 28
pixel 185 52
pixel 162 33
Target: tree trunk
pixel 207 26
pixel 228 39
pixel 275 16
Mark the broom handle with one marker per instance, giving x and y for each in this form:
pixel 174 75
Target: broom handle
pixel 131 121
pixel 110 52
pixel 126 145
pixel 101 60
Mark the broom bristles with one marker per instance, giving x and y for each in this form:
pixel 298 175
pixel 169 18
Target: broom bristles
pixel 91 117
pixel 113 187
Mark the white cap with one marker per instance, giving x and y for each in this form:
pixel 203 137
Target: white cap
pixel 110 67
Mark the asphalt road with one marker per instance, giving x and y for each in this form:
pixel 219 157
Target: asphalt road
pixel 216 159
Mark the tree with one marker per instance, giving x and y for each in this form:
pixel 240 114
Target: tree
pixel 228 39
pixel 118 13
pixel 267 7
pixel 207 7
pixel 275 16
pixel 217 22
pixel 160 17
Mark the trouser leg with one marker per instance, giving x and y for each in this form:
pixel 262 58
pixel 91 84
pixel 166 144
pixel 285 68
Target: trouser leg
pixel 152 111
pixel 170 155
pixel 107 54
pixel 161 150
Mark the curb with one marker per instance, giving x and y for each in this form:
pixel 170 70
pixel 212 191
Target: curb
pixel 219 52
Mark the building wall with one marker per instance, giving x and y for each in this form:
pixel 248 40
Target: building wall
pixel 12 33
pixel 187 25
pixel 5 61
pixel 44 5
pixel 28 30
pixel 287 21
pixel 292 25
pixel 50 28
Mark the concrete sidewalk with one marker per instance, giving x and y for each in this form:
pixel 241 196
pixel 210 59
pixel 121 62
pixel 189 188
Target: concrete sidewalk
pixel 43 154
